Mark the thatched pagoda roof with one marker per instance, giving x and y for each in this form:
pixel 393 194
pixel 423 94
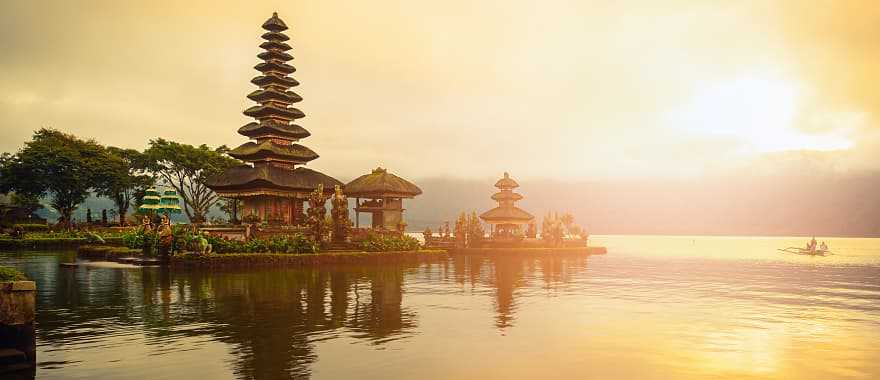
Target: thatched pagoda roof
pixel 263 111
pixel 247 177
pixel 506 196
pixel 275 45
pixel 275 36
pixel 252 151
pixel 262 95
pixel 506 182
pixel 272 66
pixel 274 24
pixel 271 128
pixel 506 215
pixel 275 54
pixel 381 183
pixel 265 80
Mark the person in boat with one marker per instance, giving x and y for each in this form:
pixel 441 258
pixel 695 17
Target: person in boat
pixel 823 246
pixel 812 245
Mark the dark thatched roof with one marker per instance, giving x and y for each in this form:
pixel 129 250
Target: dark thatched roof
pixel 274 24
pixel 381 183
pixel 299 179
pixel 270 127
pixel 506 182
pixel 264 80
pixel 251 151
pixel 506 195
pixel 289 113
pixel 274 54
pixel 275 45
pixel 284 68
pixel 506 215
pixel 274 36
pixel 278 96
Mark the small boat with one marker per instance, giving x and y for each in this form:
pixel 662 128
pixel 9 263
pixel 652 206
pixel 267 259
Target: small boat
pixel 807 252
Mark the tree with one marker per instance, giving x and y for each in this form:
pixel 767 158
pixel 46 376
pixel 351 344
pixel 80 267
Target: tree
pixel 230 206
pixel 475 232
pixel 124 177
pixel 186 168
pixel 567 220
pixel 57 165
pixel 461 231
pixel 27 203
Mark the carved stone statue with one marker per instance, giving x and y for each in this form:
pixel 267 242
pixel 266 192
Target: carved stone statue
pixel 166 236
pixel 146 224
pixel 341 221
pixel 429 235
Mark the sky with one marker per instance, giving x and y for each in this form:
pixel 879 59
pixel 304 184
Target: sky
pixel 569 90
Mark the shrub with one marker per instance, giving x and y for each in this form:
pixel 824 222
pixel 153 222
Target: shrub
pixel 381 243
pixel 11 274
pixel 133 239
pixel 32 227
pixel 275 244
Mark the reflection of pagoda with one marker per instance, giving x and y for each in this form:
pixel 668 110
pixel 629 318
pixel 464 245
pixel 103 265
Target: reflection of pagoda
pixel 274 185
pixel 506 219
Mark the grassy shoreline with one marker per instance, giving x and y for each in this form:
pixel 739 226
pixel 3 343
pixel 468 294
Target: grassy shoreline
pixel 50 243
pixel 267 259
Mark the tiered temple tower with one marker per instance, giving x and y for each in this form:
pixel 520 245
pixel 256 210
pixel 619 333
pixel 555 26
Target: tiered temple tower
pixel 274 185
pixel 506 219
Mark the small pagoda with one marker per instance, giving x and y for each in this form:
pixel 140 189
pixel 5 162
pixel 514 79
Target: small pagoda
pixel 384 193
pixel 274 184
pixel 506 219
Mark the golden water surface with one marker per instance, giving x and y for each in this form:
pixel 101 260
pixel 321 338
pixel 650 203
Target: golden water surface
pixel 653 308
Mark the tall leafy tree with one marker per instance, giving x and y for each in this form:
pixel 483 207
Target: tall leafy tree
pixel 124 177
pixel 54 164
pixel 186 168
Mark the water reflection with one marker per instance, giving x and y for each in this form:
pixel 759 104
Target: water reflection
pixel 657 310
pixel 271 319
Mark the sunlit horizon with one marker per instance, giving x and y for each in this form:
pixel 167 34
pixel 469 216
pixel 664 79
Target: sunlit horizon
pixel 561 91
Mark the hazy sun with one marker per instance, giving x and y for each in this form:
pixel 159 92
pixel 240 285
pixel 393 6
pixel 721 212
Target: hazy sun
pixel 759 114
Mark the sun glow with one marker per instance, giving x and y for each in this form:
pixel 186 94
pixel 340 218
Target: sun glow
pixel 758 114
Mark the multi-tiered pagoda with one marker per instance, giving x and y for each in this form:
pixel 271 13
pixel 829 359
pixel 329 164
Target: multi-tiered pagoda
pixel 506 219
pixel 274 184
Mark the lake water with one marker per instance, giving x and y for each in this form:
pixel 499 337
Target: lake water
pixel 653 308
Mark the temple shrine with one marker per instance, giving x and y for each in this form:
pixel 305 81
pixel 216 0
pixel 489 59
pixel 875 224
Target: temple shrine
pixel 274 183
pixel 506 220
pixel 384 193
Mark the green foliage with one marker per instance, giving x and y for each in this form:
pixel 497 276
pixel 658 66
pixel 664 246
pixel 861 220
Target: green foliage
pixel 30 203
pixel 475 232
pixel 32 227
pixel 276 244
pixel 133 239
pixel 187 168
pixel 56 164
pixel 376 242
pixel 125 176
pixel 11 274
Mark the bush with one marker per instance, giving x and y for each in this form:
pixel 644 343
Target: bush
pixel 11 274
pixel 32 227
pixel 276 244
pixel 383 243
pixel 133 239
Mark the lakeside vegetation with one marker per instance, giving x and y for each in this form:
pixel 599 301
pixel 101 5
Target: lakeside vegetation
pixel 65 170
pixel 11 274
